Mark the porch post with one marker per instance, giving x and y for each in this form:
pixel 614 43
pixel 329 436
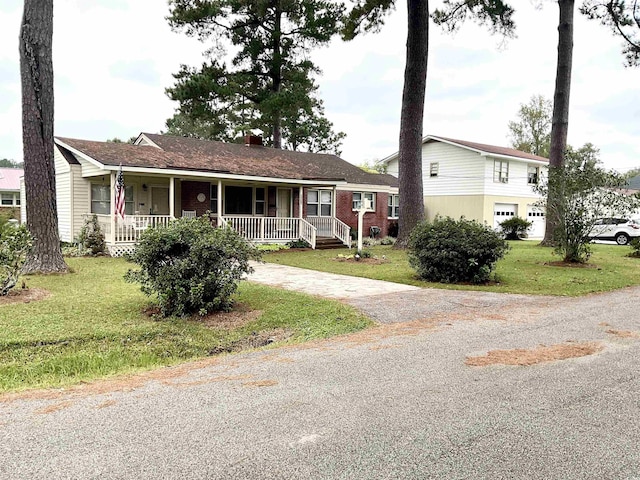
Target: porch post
pixel 334 200
pixel 172 197
pixel 112 211
pixel 300 202
pixel 219 202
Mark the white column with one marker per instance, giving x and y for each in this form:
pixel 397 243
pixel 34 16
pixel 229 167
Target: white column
pixel 172 197
pixel 300 200
pixel 334 200
pixel 112 211
pixel 219 202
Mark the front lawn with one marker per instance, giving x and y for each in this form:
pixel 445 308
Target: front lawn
pixel 92 326
pixel 523 269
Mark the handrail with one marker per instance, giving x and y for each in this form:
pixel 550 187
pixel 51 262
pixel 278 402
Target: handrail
pixel 308 233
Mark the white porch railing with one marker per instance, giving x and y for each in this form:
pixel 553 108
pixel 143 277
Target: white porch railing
pixel 129 229
pixel 272 229
pixel 331 227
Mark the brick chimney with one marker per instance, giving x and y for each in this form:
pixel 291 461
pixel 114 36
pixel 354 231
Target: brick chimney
pixel 250 140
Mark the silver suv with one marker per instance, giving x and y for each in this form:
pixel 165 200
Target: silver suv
pixel 620 230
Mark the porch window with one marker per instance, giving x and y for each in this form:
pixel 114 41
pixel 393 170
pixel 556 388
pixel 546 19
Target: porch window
pixel 393 209
pixel 500 171
pixel 260 198
pixel 213 207
pixel 238 200
pixel 368 197
pixel 101 199
pixel 319 203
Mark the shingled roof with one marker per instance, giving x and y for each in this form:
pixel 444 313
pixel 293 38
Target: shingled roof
pixel 511 152
pixel 182 153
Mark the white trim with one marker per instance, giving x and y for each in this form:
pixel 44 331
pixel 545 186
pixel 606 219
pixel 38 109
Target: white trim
pixel 356 187
pixel 86 157
pixel 141 137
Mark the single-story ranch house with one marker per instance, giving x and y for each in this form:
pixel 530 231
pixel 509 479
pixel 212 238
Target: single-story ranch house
pixel 266 194
pixel 481 182
pixel 10 191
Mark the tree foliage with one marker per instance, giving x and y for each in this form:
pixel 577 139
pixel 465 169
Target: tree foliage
pixel 585 192
pixel 623 18
pixel 269 83
pixel 36 75
pixel 7 163
pixel 532 131
pixel 15 243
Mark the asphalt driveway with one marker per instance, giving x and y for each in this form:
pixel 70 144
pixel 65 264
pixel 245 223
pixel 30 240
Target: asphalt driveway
pixel 396 401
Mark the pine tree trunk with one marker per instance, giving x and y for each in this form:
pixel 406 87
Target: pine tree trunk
pixel 411 117
pixel 560 119
pixel 36 70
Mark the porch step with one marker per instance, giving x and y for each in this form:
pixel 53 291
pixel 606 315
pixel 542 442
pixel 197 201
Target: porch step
pixel 325 243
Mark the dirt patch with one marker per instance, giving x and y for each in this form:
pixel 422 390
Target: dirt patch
pixel 24 295
pixel 560 263
pixel 261 383
pixel 238 317
pixel 623 333
pixel 533 356
pixel 368 261
pixel 53 408
pixel 255 340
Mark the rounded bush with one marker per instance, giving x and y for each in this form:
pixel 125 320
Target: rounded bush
pixel 515 227
pixel 191 266
pixel 453 251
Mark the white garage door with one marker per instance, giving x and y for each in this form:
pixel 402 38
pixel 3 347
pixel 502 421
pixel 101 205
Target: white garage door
pixel 502 212
pixel 536 216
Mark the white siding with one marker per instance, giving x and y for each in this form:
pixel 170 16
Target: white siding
pixel 392 167
pixel 81 198
pixel 516 186
pixel 460 171
pixel 63 200
pixel 89 169
pixel 61 165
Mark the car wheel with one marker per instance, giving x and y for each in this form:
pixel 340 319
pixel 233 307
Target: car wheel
pixel 622 239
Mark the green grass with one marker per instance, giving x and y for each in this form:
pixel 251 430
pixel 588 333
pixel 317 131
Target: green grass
pixel 523 269
pixel 92 326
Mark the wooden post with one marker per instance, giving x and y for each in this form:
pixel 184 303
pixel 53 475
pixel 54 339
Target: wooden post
pixel 172 195
pixel 112 211
pixel 300 200
pixel 219 202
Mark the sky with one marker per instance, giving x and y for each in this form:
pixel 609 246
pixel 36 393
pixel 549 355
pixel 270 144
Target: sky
pixel 113 60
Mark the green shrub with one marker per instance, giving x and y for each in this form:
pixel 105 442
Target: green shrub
pixel 388 240
pixel 298 244
pixel 91 237
pixel 635 248
pixel 452 251
pixel 515 227
pixel 15 242
pixel 191 266
pixel 272 247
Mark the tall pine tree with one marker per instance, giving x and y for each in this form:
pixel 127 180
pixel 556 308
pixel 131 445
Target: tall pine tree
pixel 268 84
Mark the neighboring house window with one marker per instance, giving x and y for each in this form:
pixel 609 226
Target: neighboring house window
pixel 433 169
pixel 260 201
pixel 238 200
pixel 533 174
pixel 501 171
pixel 213 206
pixel 101 199
pixel 368 197
pixel 319 203
pixel 7 199
pixel 393 209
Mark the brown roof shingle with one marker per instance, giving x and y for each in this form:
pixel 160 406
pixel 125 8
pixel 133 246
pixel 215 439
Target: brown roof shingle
pixel 218 157
pixel 512 152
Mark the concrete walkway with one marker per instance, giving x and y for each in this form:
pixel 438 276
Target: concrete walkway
pixel 329 285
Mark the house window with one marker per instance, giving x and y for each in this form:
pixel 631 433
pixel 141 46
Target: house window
pixel 238 200
pixel 260 201
pixel 393 208
pixel 533 175
pixel 213 204
pixel 501 171
pixel 368 197
pixel 433 169
pixel 7 199
pixel 319 203
pixel 101 199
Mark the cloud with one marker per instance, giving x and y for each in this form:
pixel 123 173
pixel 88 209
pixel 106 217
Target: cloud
pixel 141 71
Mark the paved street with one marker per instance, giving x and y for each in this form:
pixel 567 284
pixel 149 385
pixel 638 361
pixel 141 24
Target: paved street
pixel 396 401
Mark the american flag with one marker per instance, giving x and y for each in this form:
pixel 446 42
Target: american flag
pixel 119 211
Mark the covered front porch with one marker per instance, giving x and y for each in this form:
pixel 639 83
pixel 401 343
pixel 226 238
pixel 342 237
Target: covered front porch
pixel 262 212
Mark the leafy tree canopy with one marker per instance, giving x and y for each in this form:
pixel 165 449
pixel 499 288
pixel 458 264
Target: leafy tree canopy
pixel 373 166
pixel 531 132
pixel 117 140
pixel 7 163
pixel 623 18
pixel 268 83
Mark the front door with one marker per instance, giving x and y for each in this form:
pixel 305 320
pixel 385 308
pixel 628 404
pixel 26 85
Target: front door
pixel 283 203
pixel 159 200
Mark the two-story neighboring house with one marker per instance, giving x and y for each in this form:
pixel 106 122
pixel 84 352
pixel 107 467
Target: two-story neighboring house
pixel 480 182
